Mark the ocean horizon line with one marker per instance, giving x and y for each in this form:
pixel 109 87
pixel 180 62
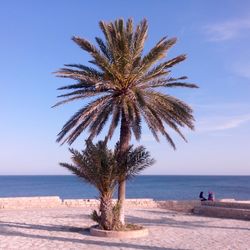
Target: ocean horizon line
pixel 221 175
pixel 160 187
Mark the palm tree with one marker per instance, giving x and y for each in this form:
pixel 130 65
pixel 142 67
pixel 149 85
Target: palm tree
pixel 125 87
pixel 102 168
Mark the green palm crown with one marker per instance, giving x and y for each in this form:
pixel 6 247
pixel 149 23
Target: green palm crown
pixel 124 85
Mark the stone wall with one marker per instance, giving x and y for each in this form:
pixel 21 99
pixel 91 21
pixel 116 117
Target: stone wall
pixel 55 201
pixel 80 202
pixel 227 204
pixel 30 202
pixel 223 212
pixel 224 209
pixel 181 206
pixel 227 208
pixel 95 202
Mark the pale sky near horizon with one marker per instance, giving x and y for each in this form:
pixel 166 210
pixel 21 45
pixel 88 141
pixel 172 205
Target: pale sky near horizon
pixel 36 41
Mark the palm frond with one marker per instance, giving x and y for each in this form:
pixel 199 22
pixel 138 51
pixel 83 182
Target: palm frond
pixel 125 85
pixel 81 120
pixel 102 167
pixel 139 38
pixel 156 53
pixel 133 161
pixel 116 114
pixel 104 48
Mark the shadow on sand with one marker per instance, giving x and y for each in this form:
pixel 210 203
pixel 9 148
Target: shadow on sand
pixel 167 219
pixel 7 230
pixel 164 219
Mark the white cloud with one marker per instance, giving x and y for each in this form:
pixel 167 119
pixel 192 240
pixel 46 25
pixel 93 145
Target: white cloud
pixel 221 123
pixel 227 30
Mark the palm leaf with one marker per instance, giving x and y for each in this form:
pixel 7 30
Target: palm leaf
pixel 126 86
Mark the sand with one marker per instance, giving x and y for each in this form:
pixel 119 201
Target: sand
pixel 66 228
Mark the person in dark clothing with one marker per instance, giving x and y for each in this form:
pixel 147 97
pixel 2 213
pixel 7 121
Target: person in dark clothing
pixel 202 198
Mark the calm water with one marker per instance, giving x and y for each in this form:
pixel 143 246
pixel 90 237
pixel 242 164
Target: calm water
pixel 157 187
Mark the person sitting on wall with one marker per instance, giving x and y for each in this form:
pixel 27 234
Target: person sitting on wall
pixel 211 196
pixel 202 198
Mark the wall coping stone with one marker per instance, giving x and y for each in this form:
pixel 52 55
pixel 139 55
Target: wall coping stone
pixel 55 201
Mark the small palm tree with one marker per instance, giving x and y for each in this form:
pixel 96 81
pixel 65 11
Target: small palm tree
pixel 125 87
pixel 102 168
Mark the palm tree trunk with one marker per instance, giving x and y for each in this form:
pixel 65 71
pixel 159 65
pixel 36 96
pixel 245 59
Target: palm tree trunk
pixel 106 209
pixel 121 200
pixel 124 144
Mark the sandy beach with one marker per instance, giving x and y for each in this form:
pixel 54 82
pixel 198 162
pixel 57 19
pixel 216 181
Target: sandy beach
pixel 66 228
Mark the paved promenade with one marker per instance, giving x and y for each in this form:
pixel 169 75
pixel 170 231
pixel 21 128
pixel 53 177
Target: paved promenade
pixel 66 228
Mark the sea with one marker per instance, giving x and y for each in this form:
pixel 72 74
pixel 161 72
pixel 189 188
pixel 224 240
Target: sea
pixel 158 187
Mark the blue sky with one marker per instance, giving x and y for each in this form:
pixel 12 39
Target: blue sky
pixel 36 40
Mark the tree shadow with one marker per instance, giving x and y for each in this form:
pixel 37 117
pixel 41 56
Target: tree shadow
pixel 163 212
pixel 98 242
pixel 163 220
pixel 74 216
pixel 49 228
pixel 9 229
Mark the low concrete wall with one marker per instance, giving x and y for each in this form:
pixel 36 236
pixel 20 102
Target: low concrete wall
pixel 95 202
pixel 181 206
pixel 237 209
pixel 223 212
pixel 227 204
pixel 80 202
pixel 226 208
pixel 150 203
pixel 27 202
pixel 55 201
